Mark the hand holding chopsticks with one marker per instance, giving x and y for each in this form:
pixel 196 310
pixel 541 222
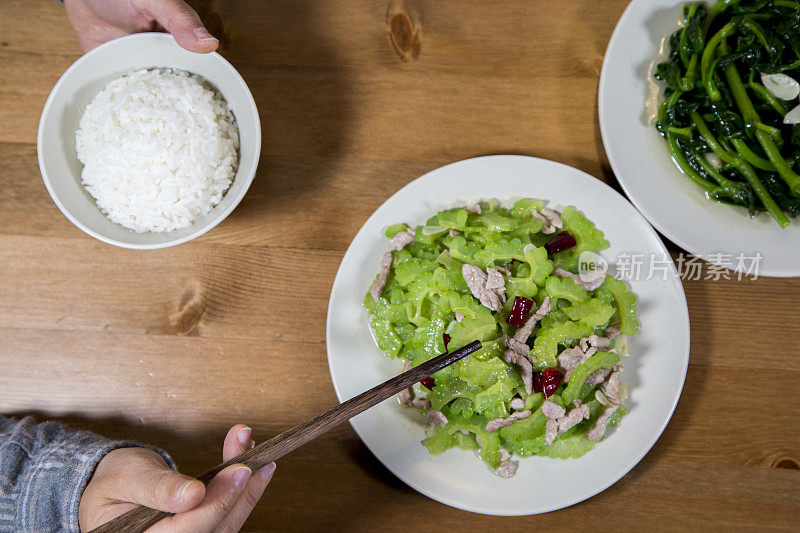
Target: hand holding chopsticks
pixel 265 453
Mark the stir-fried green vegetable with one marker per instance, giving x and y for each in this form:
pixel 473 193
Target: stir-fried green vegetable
pixel 426 297
pixel 724 128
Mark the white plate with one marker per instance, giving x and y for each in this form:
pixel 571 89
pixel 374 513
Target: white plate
pixel 628 98
pixel 655 370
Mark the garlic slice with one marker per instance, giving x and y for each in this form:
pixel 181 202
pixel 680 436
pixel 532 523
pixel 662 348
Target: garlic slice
pixel 602 398
pixel 793 116
pixel 780 85
pixel 528 249
pixel 624 390
pixel 714 160
pixel 433 230
pixel 621 343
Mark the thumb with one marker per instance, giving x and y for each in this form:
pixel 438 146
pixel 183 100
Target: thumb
pixel 178 18
pixel 148 481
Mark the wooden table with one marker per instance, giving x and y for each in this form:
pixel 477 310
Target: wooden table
pixel 357 98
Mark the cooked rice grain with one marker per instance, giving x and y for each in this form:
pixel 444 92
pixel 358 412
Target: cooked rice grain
pixel 159 149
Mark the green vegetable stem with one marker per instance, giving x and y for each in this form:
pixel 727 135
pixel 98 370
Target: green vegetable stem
pixel 714 104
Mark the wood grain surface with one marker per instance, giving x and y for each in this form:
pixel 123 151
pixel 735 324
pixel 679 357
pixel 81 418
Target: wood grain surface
pixel 357 98
pixel 271 450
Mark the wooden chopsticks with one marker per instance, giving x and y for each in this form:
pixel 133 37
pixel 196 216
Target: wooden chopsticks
pixel 141 518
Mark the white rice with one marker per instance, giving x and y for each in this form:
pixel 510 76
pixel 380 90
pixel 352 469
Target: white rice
pixel 159 149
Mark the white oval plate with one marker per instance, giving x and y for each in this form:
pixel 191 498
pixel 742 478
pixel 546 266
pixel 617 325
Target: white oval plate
pixel 628 98
pixel 655 370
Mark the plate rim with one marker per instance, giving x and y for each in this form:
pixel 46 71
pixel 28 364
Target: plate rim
pixel 570 501
pixel 602 88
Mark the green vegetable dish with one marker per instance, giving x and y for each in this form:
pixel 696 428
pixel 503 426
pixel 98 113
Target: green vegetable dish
pixel 730 114
pixel 546 381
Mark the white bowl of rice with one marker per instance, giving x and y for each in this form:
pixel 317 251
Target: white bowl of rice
pixel 145 145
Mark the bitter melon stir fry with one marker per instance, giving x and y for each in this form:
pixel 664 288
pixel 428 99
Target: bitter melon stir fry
pixel 546 381
pixel 730 115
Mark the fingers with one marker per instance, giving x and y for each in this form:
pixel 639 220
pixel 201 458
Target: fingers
pixel 221 495
pixel 253 491
pixel 91 30
pixel 230 496
pixel 141 476
pixel 237 441
pixel 183 23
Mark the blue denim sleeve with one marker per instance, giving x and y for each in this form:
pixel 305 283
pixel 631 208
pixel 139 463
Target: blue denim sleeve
pixel 43 471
